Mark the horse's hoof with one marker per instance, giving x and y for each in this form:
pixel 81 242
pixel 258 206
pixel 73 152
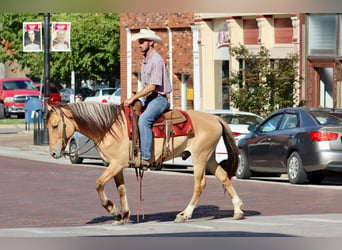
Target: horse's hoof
pixel 117 223
pixel 238 216
pixel 180 218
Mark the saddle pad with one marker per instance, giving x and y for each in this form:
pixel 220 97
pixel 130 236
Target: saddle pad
pixel 179 129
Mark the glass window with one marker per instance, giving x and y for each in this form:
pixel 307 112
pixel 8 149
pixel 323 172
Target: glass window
pixel 325 118
pixel 18 84
pixel 271 124
pixel 108 91
pixel 240 119
pixel 322 35
pixel 289 121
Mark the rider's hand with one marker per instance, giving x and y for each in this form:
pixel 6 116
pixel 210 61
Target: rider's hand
pixel 128 102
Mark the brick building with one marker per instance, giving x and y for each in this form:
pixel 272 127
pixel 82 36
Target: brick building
pixel 177 51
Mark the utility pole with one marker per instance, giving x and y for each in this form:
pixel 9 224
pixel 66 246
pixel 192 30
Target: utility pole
pixel 45 136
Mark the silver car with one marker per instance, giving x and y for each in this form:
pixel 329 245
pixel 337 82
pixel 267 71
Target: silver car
pixel 305 143
pixel 81 147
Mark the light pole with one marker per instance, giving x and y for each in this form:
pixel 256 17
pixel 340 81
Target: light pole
pixel 45 136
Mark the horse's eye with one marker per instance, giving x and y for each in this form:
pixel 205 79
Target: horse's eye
pixel 55 127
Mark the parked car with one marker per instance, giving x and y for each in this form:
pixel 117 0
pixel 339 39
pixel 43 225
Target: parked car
pixel 238 122
pixel 305 143
pixel 115 97
pixel 13 94
pixel 82 93
pixel 55 96
pixel 100 95
pixel 81 147
pixel 65 94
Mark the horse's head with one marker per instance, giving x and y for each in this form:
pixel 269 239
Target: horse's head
pixel 60 129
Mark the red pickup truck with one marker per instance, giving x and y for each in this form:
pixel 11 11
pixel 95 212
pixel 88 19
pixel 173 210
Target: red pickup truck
pixel 13 94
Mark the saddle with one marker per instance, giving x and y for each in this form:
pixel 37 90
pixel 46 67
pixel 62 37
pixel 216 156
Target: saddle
pixel 170 124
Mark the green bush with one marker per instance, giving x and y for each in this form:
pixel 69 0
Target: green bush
pixel 264 85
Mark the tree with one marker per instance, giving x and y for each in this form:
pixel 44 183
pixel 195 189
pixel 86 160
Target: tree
pixel 263 85
pixel 95 46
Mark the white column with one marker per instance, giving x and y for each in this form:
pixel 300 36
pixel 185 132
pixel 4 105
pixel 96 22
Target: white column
pixel 171 65
pixel 129 62
pixel 196 71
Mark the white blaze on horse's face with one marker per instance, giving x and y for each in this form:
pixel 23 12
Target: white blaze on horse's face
pixel 55 127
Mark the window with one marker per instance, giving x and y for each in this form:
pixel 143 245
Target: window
pixel 250 31
pixel 289 121
pixel 271 124
pixel 326 118
pixel 19 84
pixel 283 30
pixel 322 35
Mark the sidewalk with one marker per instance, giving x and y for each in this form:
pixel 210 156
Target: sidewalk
pixel 16 142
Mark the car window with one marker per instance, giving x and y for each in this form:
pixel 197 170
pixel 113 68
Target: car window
pixel 271 124
pixel 107 91
pixel 324 118
pixel 96 93
pixel 289 121
pixel 240 119
pixel 18 84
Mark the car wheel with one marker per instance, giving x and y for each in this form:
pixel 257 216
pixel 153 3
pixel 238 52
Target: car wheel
pixel 74 159
pixel 295 170
pixel 243 171
pixel 315 177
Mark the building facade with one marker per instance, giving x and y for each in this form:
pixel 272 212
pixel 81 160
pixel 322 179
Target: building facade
pixel 323 62
pixel 196 49
pixel 279 33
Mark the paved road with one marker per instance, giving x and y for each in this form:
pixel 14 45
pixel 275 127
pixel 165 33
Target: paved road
pixel 44 197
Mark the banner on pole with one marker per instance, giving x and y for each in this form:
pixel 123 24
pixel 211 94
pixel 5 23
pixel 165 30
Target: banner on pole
pixel 32 37
pixel 60 34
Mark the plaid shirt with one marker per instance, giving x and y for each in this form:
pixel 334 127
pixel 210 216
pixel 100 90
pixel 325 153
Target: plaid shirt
pixel 153 71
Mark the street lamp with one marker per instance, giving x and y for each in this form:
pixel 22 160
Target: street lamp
pixel 45 136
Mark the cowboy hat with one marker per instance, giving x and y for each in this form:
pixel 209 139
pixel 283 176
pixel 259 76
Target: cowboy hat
pixel 148 35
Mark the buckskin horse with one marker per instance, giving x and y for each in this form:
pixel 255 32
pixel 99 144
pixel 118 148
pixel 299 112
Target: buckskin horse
pixel 107 126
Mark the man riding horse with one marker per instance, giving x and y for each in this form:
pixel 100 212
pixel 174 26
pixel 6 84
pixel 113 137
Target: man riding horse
pixel 157 86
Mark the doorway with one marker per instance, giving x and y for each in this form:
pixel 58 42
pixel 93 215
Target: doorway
pixel 326 90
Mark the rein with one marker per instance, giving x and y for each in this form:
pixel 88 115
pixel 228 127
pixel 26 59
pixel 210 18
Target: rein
pixel 64 143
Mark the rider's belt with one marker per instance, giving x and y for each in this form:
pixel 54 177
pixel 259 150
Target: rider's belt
pixel 154 95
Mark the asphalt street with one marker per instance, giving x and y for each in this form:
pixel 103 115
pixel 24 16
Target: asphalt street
pixel 17 143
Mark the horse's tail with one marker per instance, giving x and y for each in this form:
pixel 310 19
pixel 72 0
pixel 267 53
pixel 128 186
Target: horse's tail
pixel 231 165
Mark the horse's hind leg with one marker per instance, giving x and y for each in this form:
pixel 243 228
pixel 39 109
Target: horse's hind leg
pixel 108 204
pixel 222 176
pixel 199 185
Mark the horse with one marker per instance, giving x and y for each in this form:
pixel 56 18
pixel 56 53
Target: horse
pixel 107 125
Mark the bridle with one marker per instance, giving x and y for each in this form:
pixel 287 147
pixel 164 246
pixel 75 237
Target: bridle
pixel 64 139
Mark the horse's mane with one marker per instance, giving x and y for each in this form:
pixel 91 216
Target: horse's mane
pixel 97 118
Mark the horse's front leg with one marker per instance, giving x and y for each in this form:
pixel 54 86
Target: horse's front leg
pixel 106 203
pixel 121 187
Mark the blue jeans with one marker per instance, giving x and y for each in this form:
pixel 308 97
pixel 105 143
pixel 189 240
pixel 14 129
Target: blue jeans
pixel 152 111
